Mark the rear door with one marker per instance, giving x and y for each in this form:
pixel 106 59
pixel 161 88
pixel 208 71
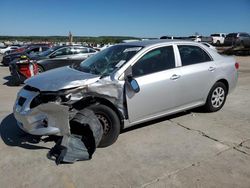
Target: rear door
pixel 157 76
pixel 197 74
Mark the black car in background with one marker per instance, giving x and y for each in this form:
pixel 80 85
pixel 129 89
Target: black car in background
pixel 237 39
pixel 55 57
pixel 29 51
pixel 63 56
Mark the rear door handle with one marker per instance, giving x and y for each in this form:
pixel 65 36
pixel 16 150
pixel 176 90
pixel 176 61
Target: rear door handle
pixel 175 77
pixel 211 69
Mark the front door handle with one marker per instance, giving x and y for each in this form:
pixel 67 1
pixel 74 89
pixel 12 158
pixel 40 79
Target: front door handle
pixel 211 69
pixel 175 77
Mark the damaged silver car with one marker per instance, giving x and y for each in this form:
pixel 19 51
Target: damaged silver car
pixel 124 85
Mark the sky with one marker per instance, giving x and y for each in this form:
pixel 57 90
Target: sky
pixel 138 18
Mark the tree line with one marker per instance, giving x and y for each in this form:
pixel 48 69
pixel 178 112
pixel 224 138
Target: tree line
pixel 53 39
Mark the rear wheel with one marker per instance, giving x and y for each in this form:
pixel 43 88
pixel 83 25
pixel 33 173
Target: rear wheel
pixel 110 123
pixel 216 97
pixel 217 42
pixel 40 69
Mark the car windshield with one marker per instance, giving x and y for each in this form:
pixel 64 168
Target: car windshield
pixel 107 61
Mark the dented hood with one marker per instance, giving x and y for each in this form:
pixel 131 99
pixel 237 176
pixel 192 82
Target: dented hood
pixel 61 78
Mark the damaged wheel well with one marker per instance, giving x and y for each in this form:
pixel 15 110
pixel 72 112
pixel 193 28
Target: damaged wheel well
pixel 97 100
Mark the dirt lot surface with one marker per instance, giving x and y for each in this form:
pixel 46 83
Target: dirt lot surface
pixel 190 149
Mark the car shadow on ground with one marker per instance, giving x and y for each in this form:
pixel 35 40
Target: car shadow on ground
pixel 12 135
pixel 9 81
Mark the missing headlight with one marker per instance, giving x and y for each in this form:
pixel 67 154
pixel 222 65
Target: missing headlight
pixel 40 99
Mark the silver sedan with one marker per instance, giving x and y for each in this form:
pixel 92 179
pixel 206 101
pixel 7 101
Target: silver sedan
pixel 127 84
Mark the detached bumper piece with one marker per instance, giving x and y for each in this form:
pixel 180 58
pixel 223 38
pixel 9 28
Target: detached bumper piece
pixel 80 142
pixel 22 71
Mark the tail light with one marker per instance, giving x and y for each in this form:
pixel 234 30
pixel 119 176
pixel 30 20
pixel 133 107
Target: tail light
pixel 237 65
pixel 35 68
pixel 24 69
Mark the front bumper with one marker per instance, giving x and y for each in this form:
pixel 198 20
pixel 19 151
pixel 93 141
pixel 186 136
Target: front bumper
pixel 45 119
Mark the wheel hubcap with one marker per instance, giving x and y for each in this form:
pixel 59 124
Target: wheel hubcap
pixel 218 97
pixel 105 124
pixel 39 70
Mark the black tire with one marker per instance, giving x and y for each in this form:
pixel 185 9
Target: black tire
pixel 213 103
pixel 40 69
pixel 112 128
pixel 218 43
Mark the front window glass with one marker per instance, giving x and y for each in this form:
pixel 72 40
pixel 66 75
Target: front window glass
pixel 62 52
pixel 156 60
pixel 109 60
pixel 49 51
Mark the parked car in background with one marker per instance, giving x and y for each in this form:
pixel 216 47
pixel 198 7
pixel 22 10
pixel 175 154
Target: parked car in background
pixel 27 52
pixel 2 45
pixel 9 48
pixel 125 85
pixel 195 38
pixel 199 38
pixel 63 56
pixel 18 50
pixel 53 58
pixel 237 39
pixel 218 38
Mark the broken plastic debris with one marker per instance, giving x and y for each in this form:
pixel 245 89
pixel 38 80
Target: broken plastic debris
pixel 86 134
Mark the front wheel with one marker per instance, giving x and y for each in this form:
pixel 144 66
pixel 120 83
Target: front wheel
pixel 110 123
pixel 216 97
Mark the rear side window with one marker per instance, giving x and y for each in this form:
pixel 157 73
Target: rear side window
pixel 244 35
pixel 192 55
pixel 159 59
pixel 34 50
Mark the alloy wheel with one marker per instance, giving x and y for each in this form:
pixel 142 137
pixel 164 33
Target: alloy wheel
pixel 218 97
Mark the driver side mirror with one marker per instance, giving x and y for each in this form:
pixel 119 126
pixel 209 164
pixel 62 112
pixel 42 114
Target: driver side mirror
pixel 130 81
pixel 133 85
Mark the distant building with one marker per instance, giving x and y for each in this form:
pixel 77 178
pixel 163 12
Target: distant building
pixel 70 38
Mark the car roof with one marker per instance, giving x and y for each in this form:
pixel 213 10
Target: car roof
pixel 147 43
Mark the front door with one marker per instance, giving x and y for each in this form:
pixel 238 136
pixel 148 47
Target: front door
pixel 157 78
